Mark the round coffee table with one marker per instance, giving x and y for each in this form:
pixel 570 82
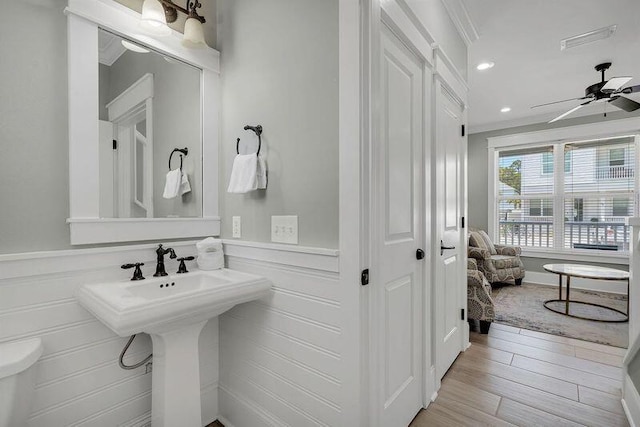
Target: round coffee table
pixel 586 272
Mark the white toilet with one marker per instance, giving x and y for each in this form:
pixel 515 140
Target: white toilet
pixel 17 378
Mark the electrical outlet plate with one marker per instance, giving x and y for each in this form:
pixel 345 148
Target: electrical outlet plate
pixel 236 222
pixel 284 229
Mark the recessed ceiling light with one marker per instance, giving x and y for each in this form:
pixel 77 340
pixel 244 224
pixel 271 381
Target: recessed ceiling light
pixel 505 110
pixel 134 47
pixel 485 66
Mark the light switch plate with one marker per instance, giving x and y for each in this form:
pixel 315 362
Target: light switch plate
pixel 284 229
pixel 236 222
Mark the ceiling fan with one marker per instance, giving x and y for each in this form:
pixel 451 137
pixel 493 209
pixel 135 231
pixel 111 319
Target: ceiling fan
pixel 605 91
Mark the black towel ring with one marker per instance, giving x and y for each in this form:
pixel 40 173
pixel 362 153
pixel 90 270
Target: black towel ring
pixel 184 151
pixel 258 131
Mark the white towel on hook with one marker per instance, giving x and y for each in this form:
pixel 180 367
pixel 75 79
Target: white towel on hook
pixel 185 187
pixel 261 173
pixel 244 174
pixel 172 184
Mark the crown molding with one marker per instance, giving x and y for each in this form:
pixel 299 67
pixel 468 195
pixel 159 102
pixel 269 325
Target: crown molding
pixel 461 19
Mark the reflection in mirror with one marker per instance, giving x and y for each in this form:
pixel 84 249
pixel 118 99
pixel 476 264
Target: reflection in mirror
pixel 149 104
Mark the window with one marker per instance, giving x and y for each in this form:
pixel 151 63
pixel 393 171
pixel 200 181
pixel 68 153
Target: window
pixel 540 207
pixel 621 207
pixel 567 161
pixel 616 157
pixel 547 162
pixel 589 209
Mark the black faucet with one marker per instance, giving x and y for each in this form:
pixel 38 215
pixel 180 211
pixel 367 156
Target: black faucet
pixel 182 268
pixel 161 252
pixel 137 274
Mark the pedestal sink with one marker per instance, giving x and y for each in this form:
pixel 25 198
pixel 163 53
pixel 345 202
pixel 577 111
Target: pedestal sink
pixel 173 310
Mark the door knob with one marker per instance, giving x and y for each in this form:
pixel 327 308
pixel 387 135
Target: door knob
pixel 443 247
pixel 419 254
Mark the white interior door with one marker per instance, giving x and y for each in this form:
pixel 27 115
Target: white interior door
pixel 449 285
pixel 397 283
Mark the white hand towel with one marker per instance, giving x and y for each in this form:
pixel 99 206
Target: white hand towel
pixel 243 174
pixel 262 173
pixel 185 187
pixel 172 184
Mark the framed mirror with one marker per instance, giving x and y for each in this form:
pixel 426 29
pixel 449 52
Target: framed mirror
pixel 135 102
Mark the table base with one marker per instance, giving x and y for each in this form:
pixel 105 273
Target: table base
pixel 626 318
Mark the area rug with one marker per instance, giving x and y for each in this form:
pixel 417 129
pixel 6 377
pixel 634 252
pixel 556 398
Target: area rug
pixel 522 307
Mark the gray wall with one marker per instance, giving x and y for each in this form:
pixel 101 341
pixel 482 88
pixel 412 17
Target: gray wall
pixel 33 125
pixel 280 70
pixel 478 173
pixel 176 123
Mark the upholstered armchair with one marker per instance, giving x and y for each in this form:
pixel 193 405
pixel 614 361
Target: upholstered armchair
pixel 479 303
pixel 498 263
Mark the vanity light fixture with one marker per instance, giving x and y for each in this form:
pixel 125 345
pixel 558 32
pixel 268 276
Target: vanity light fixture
pixel 485 66
pixel 157 13
pixel 193 32
pixel 505 109
pixel 154 19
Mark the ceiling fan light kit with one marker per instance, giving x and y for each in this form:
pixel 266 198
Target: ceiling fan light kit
pixel 604 91
pixel 589 37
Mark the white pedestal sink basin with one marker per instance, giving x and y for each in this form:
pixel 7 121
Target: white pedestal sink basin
pixel 173 310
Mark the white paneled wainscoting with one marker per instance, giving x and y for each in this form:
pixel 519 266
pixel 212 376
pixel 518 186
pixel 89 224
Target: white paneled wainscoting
pixel 78 380
pixel 280 358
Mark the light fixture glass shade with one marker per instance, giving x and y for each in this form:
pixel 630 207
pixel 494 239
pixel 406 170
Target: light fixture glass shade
pixel 134 47
pixel 153 18
pixel 193 34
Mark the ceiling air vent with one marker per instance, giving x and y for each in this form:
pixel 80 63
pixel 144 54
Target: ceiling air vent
pixel 589 37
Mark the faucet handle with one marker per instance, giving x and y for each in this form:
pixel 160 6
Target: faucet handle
pixel 182 268
pixel 137 273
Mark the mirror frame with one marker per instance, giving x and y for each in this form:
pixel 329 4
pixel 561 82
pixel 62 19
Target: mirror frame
pixel 84 18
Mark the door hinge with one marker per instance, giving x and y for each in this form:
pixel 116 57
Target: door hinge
pixel 462 222
pixel 364 277
pixel 115 144
pixel 462 130
pixel 462 314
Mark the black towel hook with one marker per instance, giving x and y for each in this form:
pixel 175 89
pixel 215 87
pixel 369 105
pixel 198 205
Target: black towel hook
pixel 258 130
pixel 184 151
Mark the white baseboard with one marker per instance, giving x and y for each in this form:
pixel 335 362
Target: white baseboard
pixel 540 278
pixel 631 402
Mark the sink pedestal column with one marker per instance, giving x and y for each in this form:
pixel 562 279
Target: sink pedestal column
pixel 175 388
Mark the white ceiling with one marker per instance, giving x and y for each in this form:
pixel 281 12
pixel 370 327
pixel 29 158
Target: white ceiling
pixel 523 38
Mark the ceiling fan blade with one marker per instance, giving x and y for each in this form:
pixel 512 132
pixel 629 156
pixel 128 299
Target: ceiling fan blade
pixel 625 104
pixel 630 89
pixel 614 84
pixel 574 109
pixel 558 102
